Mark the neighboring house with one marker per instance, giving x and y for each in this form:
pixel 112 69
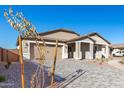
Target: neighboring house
pixel 71 45
pixel 116 47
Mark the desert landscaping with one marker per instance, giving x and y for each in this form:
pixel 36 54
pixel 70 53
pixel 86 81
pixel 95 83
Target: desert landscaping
pixel 69 73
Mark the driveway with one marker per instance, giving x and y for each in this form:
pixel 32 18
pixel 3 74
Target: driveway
pixel 116 63
pixel 85 74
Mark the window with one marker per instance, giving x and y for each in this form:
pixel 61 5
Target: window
pixel 118 52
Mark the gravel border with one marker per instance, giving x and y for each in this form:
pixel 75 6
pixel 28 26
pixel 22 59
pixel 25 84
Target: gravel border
pixel 13 74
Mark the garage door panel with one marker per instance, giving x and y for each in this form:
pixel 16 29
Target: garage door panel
pixel 49 52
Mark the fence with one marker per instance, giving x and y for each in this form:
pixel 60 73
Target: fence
pixel 9 55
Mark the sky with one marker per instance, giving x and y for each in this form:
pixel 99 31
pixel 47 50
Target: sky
pixel 108 21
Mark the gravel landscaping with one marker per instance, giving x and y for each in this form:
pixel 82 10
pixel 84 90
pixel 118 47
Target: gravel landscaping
pixel 13 75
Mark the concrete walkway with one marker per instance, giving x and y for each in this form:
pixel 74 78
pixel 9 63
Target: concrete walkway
pixel 115 63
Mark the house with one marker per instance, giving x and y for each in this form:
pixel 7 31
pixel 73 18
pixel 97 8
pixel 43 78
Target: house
pixel 116 47
pixel 71 45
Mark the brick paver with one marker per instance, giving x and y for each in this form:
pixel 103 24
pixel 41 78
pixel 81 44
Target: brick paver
pixel 95 76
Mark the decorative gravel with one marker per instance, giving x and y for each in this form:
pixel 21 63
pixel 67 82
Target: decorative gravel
pixel 86 74
pixel 13 75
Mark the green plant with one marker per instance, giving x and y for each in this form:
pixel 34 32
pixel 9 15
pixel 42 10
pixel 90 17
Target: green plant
pixel 2 78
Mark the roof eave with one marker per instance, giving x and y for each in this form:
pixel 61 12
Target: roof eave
pixel 56 30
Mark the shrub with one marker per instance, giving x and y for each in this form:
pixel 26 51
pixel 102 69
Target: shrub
pixel 122 61
pixel 97 59
pixel 2 78
pixel 102 61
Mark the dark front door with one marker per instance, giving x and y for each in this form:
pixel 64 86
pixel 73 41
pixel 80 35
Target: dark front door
pixel 84 49
pixel 70 52
pixel 94 51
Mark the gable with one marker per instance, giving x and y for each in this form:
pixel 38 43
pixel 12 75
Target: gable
pixel 60 35
pixel 98 39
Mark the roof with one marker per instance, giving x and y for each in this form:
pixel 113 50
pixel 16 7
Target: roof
pixel 88 36
pixel 58 30
pixel 120 46
pixel 66 41
pixel 49 32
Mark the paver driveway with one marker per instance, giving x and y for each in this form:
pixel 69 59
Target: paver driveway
pixel 86 74
pixel 116 63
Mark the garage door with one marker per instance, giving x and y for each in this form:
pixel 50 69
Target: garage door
pixel 49 54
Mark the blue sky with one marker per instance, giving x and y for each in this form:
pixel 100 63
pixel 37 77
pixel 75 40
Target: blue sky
pixel 106 20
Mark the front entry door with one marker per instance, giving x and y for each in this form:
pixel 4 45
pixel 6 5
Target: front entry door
pixel 70 52
pixel 85 50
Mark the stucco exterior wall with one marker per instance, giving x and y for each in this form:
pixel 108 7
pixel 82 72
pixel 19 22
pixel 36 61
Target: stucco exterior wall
pixel 61 35
pixel 65 51
pixel 26 49
pixel 99 40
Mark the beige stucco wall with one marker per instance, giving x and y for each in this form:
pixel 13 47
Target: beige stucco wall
pixel 61 35
pixel 99 40
pixel 64 51
pixel 105 51
pixel 87 40
pixel 26 49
